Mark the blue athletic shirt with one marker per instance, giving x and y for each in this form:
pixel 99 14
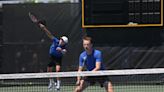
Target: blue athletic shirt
pixel 90 60
pixel 53 47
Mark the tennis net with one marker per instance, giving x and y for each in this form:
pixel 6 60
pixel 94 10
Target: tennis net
pixel 130 80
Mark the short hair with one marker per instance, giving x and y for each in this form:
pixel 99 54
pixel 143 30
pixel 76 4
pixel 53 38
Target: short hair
pixel 88 38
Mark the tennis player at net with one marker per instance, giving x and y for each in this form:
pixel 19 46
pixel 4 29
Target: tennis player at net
pixel 57 50
pixel 91 59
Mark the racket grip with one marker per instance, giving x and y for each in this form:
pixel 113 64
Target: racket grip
pixel 43 22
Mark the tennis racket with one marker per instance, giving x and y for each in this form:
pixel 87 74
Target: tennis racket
pixel 33 18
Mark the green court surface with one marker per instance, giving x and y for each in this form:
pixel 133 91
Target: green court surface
pixel 118 88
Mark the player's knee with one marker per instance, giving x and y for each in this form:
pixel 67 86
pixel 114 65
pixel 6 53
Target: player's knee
pixel 58 69
pixel 108 86
pixel 78 89
pixel 49 69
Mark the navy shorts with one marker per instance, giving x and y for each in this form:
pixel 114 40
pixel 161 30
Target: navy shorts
pixel 54 61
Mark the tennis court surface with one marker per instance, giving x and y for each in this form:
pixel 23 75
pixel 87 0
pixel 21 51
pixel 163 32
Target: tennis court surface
pixel 132 80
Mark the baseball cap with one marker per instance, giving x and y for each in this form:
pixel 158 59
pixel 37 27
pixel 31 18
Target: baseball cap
pixel 65 39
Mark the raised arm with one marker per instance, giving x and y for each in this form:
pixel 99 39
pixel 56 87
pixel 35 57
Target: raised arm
pixel 48 33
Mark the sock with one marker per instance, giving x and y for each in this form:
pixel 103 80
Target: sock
pixel 51 81
pixel 58 82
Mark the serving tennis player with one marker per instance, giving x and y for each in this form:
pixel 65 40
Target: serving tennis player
pixel 91 59
pixel 57 50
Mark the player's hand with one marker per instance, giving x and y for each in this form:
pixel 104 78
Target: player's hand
pixel 59 49
pixel 77 83
pixel 63 51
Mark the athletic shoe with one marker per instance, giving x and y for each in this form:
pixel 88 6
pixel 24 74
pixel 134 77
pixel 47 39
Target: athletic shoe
pixel 50 86
pixel 58 85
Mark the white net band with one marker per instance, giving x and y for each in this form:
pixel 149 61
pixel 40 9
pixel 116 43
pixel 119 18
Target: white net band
pixel 84 73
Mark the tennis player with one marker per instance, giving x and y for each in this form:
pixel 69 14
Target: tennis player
pixel 91 59
pixel 57 50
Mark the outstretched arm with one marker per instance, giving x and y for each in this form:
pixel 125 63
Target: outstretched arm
pixel 97 67
pixel 43 27
pixel 98 57
pixel 78 77
pixel 40 24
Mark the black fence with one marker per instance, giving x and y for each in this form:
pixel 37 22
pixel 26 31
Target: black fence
pixel 25 47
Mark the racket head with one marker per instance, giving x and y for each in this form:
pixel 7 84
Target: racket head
pixel 33 17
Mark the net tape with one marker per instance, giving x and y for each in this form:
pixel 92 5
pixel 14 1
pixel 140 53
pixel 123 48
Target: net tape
pixel 83 73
